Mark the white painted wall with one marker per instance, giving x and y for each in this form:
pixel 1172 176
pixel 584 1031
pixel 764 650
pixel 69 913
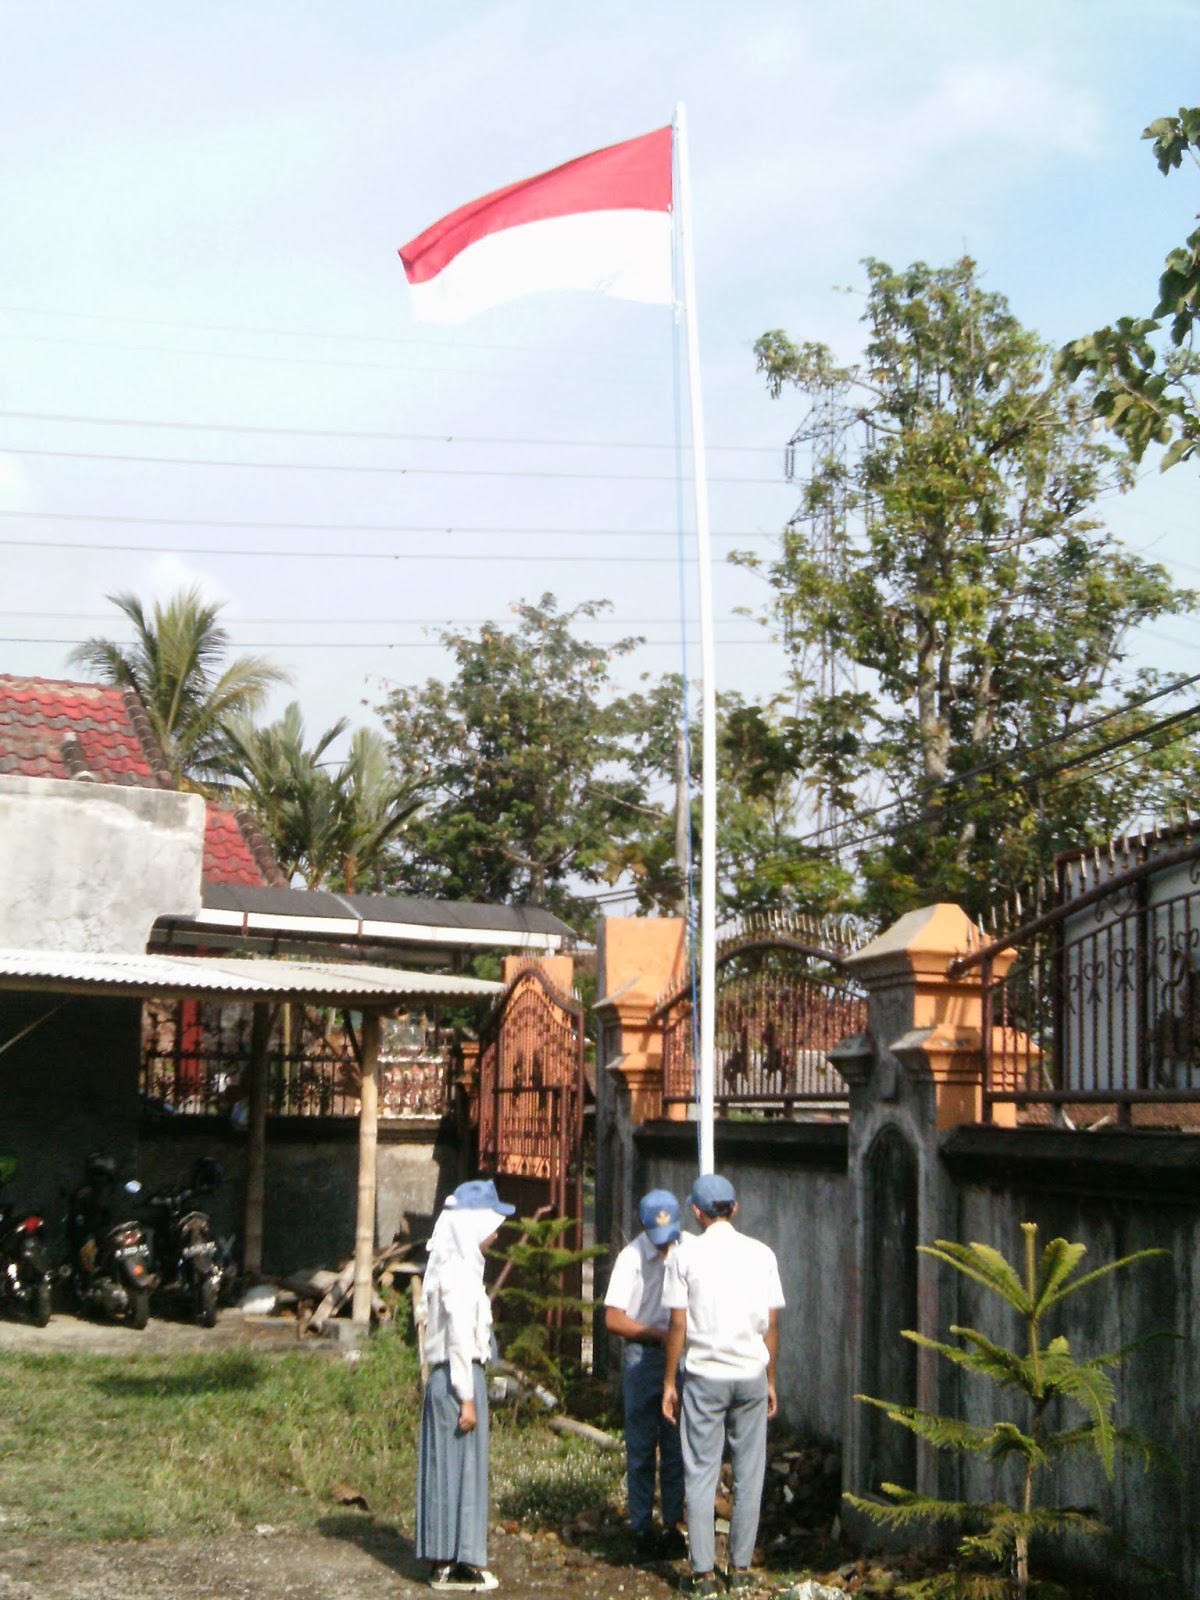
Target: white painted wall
pixel 90 866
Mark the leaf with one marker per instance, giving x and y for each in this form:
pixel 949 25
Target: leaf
pixel 1100 1272
pixel 985 1265
pixel 1059 1260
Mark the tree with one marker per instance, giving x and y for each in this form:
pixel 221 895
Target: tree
pixel 175 666
pixel 947 547
pixel 1146 392
pixel 1046 1380
pixel 327 824
pixel 761 863
pixel 523 749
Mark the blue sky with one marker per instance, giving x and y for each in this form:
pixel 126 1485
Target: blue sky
pixel 199 213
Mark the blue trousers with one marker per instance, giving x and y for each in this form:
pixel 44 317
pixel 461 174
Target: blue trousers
pixel 649 1440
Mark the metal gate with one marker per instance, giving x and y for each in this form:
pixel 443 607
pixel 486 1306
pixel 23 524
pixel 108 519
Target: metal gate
pixel 531 1085
pixel 783 1002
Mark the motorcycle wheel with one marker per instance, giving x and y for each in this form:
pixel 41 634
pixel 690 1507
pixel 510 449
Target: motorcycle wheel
pixel 206 1302
pixel 139 1308
pixel 40 1307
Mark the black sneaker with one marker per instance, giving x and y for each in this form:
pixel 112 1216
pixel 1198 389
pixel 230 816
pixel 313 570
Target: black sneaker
pixel 462 1579
pixel 740 1578
pixel 672 1546
pixel 645 1545
pixel 439 1573
pixel 701 1584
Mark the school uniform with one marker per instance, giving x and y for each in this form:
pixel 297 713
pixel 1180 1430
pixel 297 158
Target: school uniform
pixel 635 1287
pixel 452 1466
pixel 728 1284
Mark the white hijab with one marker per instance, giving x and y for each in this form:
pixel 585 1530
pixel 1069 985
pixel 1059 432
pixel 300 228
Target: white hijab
pixel 455 1250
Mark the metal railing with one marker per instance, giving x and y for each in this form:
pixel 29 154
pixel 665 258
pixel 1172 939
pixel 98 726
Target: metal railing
pixel 1096 1003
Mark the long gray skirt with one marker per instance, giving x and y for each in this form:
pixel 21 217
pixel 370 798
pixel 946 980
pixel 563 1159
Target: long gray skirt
pixel 452 1475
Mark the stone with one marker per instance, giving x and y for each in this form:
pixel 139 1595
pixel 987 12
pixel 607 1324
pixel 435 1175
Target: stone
pixel 810 1589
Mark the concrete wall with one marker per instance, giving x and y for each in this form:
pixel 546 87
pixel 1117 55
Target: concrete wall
pixel 68 1087
pixel 792 1193
pixel 90 866
pixel 312 1177
pixel 1118 1192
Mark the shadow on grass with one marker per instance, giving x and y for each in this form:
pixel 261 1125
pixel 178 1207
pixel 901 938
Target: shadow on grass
pixel 379 1540
pixel 224 1374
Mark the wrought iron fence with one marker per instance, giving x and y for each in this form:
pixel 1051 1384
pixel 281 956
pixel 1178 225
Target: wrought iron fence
pixel 783 1001
pixel 196 1062
pixel 1095 1004
pixel 531 1084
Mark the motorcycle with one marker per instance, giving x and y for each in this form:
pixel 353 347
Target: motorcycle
pixel 185 1252
pixel 25 1277
pixel 110 1267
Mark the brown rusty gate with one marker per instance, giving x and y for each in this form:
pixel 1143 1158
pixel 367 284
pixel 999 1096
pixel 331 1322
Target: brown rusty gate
pixel 531 1084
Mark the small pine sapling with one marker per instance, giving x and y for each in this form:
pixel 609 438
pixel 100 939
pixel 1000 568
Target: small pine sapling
pixel 537 1336
pixel 1047 1373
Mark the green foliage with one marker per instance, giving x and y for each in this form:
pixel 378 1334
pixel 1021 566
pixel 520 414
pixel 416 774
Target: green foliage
pixel 523 750
pixel 545 1318
pixel 761 863
pixel 331 825
pixel 948 556
pixel 175 665
pixel 1047 1376
pixel 1146 389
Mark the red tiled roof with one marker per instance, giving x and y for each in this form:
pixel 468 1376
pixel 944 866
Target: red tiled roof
pixel 38 717
pixel 52 728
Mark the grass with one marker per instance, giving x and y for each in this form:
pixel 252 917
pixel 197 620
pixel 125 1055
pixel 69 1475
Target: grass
pixel 95 1447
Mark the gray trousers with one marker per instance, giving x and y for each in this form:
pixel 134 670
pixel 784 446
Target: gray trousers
pixel 452 1474
pixel 715 1411
pixel 650 1441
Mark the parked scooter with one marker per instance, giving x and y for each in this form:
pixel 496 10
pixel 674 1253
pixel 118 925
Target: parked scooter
pixel 185 1252
pixel 25 1277
pixel 110 1267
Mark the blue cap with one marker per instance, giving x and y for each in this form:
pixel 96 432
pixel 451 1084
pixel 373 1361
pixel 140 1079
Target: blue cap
pixel 712 1190
pixel 480 1195
pixel 659 1213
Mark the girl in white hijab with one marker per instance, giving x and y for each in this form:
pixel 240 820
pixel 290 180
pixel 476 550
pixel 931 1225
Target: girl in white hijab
pixel 452 1472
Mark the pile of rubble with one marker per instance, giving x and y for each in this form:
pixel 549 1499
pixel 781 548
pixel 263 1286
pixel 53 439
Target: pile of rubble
pixel 801 1500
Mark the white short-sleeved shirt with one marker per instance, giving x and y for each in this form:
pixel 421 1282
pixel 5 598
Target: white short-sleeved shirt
pixel 635 1285
pixel 728 1284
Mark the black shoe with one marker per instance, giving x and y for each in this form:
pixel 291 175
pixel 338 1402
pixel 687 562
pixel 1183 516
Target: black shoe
pixel 672 1546
pixel 701 1584
pixel 740 1578
pixel 645 1545
pixel 459 1578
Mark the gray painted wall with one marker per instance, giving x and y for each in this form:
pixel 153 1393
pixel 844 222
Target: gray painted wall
pixel 90 866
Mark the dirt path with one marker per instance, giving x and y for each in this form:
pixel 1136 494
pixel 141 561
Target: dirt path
pixel 66 1332
pixel 354 1559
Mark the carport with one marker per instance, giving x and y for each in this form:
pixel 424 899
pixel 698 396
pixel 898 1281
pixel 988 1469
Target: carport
pixel 364 994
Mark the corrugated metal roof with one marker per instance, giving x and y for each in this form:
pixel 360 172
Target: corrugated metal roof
pixel 230 978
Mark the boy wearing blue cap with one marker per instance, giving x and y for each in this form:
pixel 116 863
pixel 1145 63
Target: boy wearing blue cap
pixel 724 1298
pixel 634 1311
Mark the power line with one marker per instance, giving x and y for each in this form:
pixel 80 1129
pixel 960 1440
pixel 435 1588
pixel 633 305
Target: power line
pixel 1178 719
pixel 377 435
pixel 359 468
pixel 358 527
pixel 341 555
pixel 956 780
pixel 357 621
pixel 348 644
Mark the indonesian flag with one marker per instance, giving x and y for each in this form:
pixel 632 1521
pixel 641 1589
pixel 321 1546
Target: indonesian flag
pixel 601 222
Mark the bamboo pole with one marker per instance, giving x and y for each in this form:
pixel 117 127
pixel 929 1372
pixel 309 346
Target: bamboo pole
pixel 368 1130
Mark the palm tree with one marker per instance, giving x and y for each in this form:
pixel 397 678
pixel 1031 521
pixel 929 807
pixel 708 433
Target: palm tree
pixel 324 823
pixel 174 665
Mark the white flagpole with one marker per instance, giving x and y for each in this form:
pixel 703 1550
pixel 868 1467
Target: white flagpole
pixel 708 677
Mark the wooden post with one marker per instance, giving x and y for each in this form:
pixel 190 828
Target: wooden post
pixel 256 1149
pixel 368 1128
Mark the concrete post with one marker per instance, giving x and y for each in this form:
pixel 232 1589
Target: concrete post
pixel 915 1073
pixel 638 960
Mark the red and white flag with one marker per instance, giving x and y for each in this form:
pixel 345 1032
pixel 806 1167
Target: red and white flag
pixel 600 222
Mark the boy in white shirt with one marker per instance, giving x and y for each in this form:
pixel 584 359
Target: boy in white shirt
pixel 724 1297
pixel 634 1311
